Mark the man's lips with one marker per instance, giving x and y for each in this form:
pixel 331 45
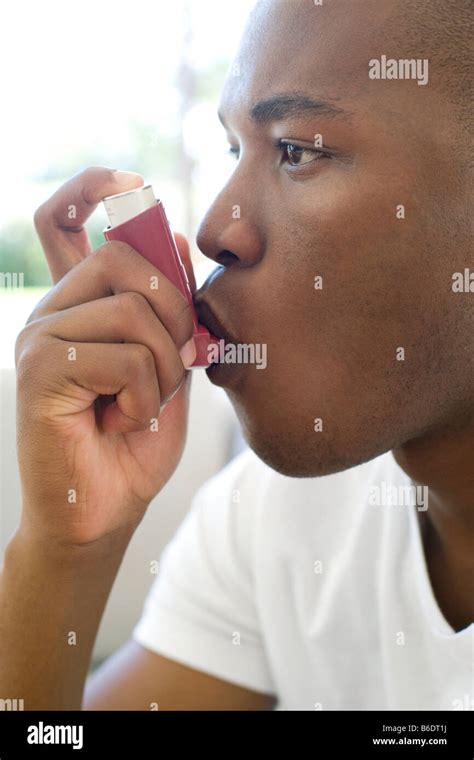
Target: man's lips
pixel 208 318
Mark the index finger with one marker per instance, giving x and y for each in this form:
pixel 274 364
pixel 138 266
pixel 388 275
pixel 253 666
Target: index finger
pixel 60 220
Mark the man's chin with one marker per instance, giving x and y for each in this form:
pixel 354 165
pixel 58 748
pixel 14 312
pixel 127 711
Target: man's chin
pixel 297 459
pixel 275 435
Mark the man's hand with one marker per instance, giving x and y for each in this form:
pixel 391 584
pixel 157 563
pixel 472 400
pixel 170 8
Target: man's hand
pixel 96 362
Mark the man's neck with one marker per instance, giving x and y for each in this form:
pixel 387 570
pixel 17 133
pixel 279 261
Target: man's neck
pixel 444 461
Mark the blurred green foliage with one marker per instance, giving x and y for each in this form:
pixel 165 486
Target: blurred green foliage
pixel 20 251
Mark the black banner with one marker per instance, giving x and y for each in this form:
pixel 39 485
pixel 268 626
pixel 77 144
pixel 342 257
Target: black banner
pixel 323 734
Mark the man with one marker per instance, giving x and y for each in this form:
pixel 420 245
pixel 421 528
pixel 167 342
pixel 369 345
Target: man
pixel 330 566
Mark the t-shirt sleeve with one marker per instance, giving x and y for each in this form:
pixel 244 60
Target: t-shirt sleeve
pixel 201 609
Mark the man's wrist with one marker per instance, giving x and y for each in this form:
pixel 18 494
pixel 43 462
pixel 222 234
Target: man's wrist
pixel 28 542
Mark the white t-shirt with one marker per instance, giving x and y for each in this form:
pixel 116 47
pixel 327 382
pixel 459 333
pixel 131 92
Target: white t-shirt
pixel 304 589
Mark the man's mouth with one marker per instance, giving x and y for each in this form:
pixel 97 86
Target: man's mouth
pixel 228 357
pixel 209 319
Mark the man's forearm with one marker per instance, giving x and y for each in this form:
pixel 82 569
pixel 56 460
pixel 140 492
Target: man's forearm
pixel 51 603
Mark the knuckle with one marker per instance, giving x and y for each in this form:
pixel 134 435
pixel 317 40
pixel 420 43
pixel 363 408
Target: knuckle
pixel 118 248
pixel 38 309
pixel 90 175
pixel 91 171
pixel 111 253
pixel 40 216
pixel 135 304
pixel 27 342
pixel 141 361
pixel 19 345
pixel 21 340
pixel 29 355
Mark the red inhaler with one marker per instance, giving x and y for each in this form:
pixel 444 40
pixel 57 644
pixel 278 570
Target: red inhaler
pixel 137 218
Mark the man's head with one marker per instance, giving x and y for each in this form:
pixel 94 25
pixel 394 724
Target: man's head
pixel 339 253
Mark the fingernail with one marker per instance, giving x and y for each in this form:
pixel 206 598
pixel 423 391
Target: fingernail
pixel 188 353
pixel 124 179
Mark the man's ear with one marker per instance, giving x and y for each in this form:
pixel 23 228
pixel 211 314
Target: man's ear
pixel 183 248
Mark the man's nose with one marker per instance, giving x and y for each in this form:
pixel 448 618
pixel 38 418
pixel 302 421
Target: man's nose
pixel 231 231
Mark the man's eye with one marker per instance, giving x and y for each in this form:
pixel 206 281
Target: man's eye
pixel 297 155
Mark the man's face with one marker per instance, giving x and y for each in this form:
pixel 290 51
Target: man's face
pixel 380 350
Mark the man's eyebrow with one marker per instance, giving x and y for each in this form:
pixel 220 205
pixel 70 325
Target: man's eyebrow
pixel 278 107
